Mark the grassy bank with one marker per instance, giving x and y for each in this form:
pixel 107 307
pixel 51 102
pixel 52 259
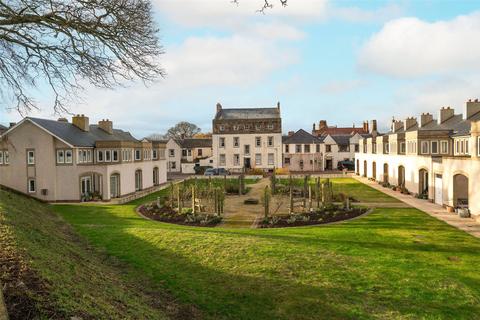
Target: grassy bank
pixel 50 272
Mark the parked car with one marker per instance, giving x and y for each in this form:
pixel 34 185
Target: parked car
pixel 201 169
pixel 217 172
pixel 346 164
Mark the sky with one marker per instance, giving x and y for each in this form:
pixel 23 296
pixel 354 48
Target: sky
pixel 342 61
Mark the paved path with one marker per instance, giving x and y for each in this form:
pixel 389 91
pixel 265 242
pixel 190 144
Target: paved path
pixel 468 225
pixel 238 215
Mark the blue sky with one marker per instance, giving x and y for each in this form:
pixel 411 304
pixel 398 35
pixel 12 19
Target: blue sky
pixel 343 61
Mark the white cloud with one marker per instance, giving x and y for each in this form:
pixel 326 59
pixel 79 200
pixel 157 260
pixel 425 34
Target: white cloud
pixel 409 47
pixel 356 14
pixel 341 86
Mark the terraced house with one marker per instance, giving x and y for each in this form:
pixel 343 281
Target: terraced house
pixel 184 154
pixel 54 160
pixel 436 159
pixel 245 138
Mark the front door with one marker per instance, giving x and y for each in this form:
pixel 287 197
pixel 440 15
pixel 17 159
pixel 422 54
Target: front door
pixel 114 186
pixel 329 164
pixel 438 189
pixel 247 163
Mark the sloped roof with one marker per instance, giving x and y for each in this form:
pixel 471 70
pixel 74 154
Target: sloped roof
pixel 194 143
pixel 3 128
pixel 339 131
pixel 302 137
pixel 79 138
pixel 248 113
pixel 341 140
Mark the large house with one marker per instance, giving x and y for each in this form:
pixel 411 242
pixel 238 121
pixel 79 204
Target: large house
pixel 438 159
pixel 245 138
pixel 54 160
pixel 184 154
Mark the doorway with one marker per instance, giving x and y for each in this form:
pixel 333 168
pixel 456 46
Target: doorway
pixel 115 185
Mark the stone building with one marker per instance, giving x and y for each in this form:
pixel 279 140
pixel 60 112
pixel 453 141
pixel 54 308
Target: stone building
pixel 54 160
pixel 437 159
pixel 184 154
pixel 245 138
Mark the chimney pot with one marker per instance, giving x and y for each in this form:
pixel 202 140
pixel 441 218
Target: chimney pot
pixel 106 125
pixel 445 114
pixel 81 122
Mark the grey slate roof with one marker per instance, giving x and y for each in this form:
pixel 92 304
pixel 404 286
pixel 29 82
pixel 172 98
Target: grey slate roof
pixel 302 137
pixel 248 113
pixel 341 140
pixel 189 143
pixel 76 137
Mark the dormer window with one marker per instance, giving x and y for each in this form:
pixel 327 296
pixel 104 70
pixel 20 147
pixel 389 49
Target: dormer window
pixel 425 147
pixel 444 147
pixel 270 126
pixel 222 128
pixel 100 156
pixel 434 147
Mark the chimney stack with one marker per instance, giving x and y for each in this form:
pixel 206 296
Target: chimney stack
pixel 366 126
pixel 278 105
pixel 471 108
pixel 445 114
pixel 410 122
pixel 219 107
pixel 314 128
pixel 322 124
pixel 291 133
pixel 425 119
pixel 62 120
pixel 397 125
pixel 81 122
pixel 374 126
pixel 12 124
pixel 106 125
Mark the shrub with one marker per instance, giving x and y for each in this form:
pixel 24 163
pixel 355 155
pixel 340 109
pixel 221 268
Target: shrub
pixel 251 201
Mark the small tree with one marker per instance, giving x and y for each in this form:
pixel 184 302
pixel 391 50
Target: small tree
pixel 273 182
pixel 267 196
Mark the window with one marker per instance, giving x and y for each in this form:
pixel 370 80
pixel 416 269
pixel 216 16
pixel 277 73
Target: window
pixel 301 164
pixel 306 148
pixel 6 157
pixel 328 148
pixel 287 160
pixel 173 165
pixel 258 159
pixel 222 128
pixel 236 159
pixel 434 147
pixel 374 148
pixel 387 148
pixel 235 128
pixel 466 141
pixel 271 161
pixel 138 154
pixel 108 156
pixel 222 142
pixel 444 147
pixel 155 154
pixel 222 159
pixel 115 155
pixel 425 147
pixel 1 157
pixel 247 127
pixel 402 147
pixel 270 126
pixel 171 153
pixel 357 148
pixel 236 142
pixel 30 157
pixel 287 148
pixel 184 152
pixel 318 148
pixel 100 156
pixel 270 141
pixel 258 141
pixel 32 188
pixel 247 149
pixel 298 148
pixel 60 156
pixel 258 126
pixel 200 152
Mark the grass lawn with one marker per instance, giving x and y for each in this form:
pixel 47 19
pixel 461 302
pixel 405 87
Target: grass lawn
pixel 390 264
pixel 351 187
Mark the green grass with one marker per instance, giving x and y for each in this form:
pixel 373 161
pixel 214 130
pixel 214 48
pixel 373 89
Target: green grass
pixel 390 264
pixel 352 188
pixel 74 279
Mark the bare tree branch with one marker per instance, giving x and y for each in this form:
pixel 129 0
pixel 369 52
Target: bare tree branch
pixel 60 43
pixel 267 4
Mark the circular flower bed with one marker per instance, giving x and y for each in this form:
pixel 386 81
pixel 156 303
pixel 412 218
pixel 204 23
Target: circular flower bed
pixel 186 217
pixel 326 215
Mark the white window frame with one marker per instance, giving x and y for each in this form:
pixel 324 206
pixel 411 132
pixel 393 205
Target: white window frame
pixel 115 157
pixel 1 157
pixel 444 143
pixel 271 159
pixel 108 156
pixel 139 153
pixel 6 157
pixel 236 142
pixel 155 154
pixel 29 185
pixel 171 153
pixel 402 147
pixel 236 159
pixel 431 147
pixel 222 159
pixel 100 156
pixel 270 126
pixel 298 148
pixel 31 159
pixel 258 159
pixel 423 145
pixel 270 141
pixel 258 142
pixel 60 156
pixel 221 142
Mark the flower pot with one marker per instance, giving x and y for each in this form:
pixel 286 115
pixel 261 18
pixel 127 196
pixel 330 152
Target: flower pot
pixel 463 213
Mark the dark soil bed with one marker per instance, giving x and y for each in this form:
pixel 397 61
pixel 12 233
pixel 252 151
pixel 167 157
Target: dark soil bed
pixel 167 214
pixel 333 214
